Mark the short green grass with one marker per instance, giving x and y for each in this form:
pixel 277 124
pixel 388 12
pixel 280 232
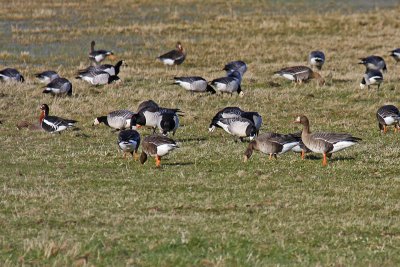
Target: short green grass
pixel 71 199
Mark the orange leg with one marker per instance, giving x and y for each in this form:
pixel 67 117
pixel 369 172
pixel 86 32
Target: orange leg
pixel 124 155
pixel 324 162
pixel 158 161
pixel 395 129
pixel 135 156
pixel 270 156
pixel 303 154
pixel 384 128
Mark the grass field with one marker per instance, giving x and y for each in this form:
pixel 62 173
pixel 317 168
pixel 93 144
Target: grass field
pixel 72 200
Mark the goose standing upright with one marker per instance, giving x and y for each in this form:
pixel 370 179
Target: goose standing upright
pixel 325 143
pixel 395 54
pixel 316 59
pixel 174 57
pixel 388 115
pixel 99 55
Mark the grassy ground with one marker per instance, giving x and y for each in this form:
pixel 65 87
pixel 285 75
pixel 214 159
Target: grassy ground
pixel 71 199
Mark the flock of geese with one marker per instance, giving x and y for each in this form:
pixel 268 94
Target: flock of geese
pixel 235 121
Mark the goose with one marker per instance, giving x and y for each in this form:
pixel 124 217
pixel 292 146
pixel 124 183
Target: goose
pixel 166 120
pixel 29 125
pixel 118 119
pixel 272 144
pixel 156 146
pixel 111 69
pixel 373 63
pixel 47 76
pixel 98 55
pixel 395 54
pixel 229 84
pixel 128 142
pixel 174 57
pixel 232 112
pixel 316 59
pixel 300 74
pixel 97 77
pixel 371 77
pixel 10 74
pixel 388 115
pixel 58 86
pixel 233 66
pixel 238 127
pixel 300 148
pixel 194 84
pixel 147 104
pixel 325 143
pixel 53 124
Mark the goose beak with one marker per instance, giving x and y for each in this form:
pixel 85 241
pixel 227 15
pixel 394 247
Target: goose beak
pixel 138 126
pixel 297 120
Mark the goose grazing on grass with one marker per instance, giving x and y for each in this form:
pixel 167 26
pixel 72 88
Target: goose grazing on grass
pixel 166 120
pixel 97 77
pixel 373 63
pixel 47 76
pixel 9 75
pixel 300 74
pixel 233 66
pixel 194 84
pixel 388 115
pixel 128 142
pixel 118 119
pixel 174 57
pixel 99 55
pixel 233 112
pixel 229 84
pixel 316 59
pixel 325 143
pixel 110 69
pixel 371 77
pixel 395 54
pixel 53 124
pixel 272 144
pixel 156 146
pixel 146 105
pixel 58 86
pixel 238 127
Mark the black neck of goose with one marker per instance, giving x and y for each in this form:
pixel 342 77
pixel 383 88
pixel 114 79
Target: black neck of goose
pixel 251 130
pixel 239 89
pixel 103 119
pixel 118 66
pixel 92 44
pixel 210 89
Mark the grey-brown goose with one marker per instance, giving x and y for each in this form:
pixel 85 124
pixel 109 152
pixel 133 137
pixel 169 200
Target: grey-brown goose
pixel 388 115
pixel 118 119
pixel 272 144
pixel 300 74
pixel 156 146
pixel 194 84
pixel 174 57
pixel 325 143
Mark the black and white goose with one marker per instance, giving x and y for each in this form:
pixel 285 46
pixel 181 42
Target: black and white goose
pixel 229 84
pixel 111 69
pixel 395 54
pixel 58 86
pixel 146 105
pixel 238 127
pixel 174 57
pixel 156 146
pixel 98 55
pixel 371 77
pixel 53 124
pixel 166 120
pixel 194 84
pixel 234 112
pixel 233 66
pixel 373 63
pixel 316 59
pixel 118 119
pixel 97 77
pixel 9 74
pixel 47 76
pixel 388 115
pixel 128 142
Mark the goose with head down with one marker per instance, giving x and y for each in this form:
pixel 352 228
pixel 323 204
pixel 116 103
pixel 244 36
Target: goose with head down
pixel 233 66
pixel 165 119
pixel 128 142
pixel 238 127
pixel 388 115
pixel 111 69
pixel 47 76
pixel 371 77
pixel 97 77
pixel 233 112
pixel 325 143
pixel 194 84
pixel 118 119
pixel 373 63
pixel 229 84
pixel 11 75
pixel 300 74
pixel 156 146
pixel 58 86
pixel 316 59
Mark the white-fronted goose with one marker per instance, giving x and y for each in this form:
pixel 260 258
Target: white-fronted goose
pixel 325 143
pixel 128 142
pixel 316 59
pixel 99 55
pixel 194 84
pixel 118 119
pixel 9 74
pixel 373 63
pixel 395 54
pixel 156 146
pixel 233 66
pixel 47 76
pixel 111 69
pixel 388 115
pixel 300 74
pixel 271 144
pixel 53 124
pixel 229 84
pixel 58 86
pixel 238 127
pixel 174 57
pixel 232 112
pixel 371 77
pixel 97 77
